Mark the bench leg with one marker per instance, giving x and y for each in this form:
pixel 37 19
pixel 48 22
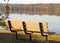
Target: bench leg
pixel 30 37
pixel 47 39
pixel 16 36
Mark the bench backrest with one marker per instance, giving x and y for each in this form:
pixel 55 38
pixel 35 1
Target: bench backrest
pixel 15 24
pixel 31 26
pixel 36 26
pixel 44 26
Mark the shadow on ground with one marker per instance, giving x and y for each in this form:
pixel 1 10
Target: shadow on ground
pixel 10 38
pixel 36 41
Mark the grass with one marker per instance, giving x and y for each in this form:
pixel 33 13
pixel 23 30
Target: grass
pixel 9 37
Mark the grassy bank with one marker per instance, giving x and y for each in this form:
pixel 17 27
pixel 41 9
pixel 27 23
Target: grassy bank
pixel 9 37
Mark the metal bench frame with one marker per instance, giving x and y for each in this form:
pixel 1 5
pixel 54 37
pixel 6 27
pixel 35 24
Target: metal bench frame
pixel 9 23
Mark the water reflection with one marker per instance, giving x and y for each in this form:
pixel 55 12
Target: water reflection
pixel 53 21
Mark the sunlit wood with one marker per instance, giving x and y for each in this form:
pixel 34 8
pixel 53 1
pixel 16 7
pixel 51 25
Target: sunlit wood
pixel 45 26
pixel 32 26
pixel 16 24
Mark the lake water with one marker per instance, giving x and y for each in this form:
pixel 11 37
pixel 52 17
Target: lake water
pixel 53 21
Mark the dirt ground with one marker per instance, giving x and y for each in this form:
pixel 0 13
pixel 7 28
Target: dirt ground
pixel 9 37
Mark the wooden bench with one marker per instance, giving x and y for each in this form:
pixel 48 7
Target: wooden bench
pixel 29 28
pixel 37 27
